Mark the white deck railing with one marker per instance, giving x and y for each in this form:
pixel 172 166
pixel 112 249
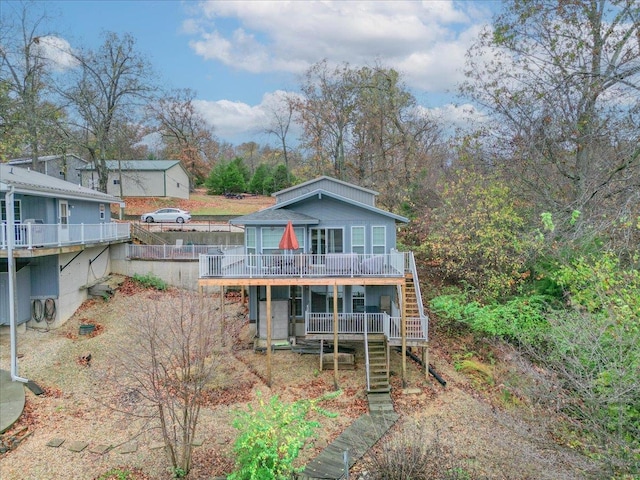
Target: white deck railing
pixel 34 235
pixel 355 323
pixel 230 265
pixel 173 252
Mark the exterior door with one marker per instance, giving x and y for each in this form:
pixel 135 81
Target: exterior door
pixel 63 221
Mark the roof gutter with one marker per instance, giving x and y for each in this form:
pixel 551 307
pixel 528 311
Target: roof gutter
pixel 11 267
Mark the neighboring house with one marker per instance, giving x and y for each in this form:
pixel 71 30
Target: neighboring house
pixel 54 242
pixel 141 178
pixel 345 280
pixel 66 167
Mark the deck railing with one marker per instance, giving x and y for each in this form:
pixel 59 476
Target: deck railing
pixel 321 323
pixel 173 252
pixel 34 235
pixel 240 265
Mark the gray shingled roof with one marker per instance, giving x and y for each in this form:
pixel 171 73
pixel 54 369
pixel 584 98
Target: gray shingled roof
pixel 274 216
pixel 33 183
pixel 136 165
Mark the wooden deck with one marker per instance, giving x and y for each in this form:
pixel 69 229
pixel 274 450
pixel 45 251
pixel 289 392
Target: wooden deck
pixel 359 437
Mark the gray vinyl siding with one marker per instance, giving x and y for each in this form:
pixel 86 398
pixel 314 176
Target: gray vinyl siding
pixel 23 307
pixel 336 214
pixel 344 190
pixel 46 209
pixel 87 212
pixel 44 276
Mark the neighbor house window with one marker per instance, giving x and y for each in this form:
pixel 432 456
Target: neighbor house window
pixel 16 210
pixel 378 240
pixel 357 240
pixel 116 181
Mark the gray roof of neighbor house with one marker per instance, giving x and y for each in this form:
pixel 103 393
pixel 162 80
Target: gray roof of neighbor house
pixel 46 158
pixel 278 214
pixel 136 165
pixel 33 183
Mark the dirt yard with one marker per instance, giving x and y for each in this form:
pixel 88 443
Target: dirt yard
pixel 489 429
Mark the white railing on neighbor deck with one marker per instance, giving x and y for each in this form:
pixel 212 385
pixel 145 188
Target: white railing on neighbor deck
pixel 321 323
pixel 174 252
pixel 240 265
pixel 33 235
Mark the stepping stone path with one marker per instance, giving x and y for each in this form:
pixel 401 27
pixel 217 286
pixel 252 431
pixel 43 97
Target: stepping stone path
pixel 101 449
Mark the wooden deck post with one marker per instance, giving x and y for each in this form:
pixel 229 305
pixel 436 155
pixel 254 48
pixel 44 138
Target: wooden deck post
pixel 425 360
pixel 223 321
pixel 403 333
pixel 268 335
pixel 335 336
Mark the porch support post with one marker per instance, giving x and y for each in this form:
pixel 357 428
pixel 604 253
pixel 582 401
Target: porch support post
pixel 268 335
pixel 321 354
pixel 404 334
pixel 425 360
pixel 335 336
pixel 223 321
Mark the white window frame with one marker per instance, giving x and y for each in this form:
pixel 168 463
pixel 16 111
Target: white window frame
pixel 357 247
pixel 17 211
pixel 377 248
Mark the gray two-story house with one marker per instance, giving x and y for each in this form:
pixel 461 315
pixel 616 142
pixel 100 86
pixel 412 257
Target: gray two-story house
pixel 322 264
pixel 54 242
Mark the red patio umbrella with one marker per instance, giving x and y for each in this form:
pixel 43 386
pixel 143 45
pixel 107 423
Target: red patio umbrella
pixel 289 241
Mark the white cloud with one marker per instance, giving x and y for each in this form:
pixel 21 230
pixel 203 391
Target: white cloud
pixel 57 51
pixel 236 121
pixel 425 41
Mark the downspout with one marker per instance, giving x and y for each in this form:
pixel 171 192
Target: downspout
pixel 11 267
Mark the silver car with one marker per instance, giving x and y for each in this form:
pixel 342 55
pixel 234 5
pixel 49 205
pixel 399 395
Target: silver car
pixel 174 215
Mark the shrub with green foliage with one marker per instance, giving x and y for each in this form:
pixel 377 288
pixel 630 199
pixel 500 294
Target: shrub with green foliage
pixel 272 436
pixel 227 178
pixel 258 180
pixel 480 236
pixel 521 318
pixel 150 281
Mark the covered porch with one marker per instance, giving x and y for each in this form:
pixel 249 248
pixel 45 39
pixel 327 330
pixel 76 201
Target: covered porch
pixel 335 326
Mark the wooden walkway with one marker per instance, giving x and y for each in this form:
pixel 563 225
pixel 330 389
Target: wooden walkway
pixel 359 437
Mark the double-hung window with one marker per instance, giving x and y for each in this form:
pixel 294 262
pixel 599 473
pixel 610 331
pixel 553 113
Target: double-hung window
pixel 378 240
pixel 357 240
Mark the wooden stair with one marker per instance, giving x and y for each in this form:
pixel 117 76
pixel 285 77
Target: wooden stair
pixel 143 236
pixel 378 364
pixel 414 326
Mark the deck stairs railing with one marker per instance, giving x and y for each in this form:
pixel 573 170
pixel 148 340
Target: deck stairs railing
pixel 144 236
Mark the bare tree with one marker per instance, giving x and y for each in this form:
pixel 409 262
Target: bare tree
pixel 111 82
pixel 281 117
pixel 24 70
pixel 171 359
pixel 184 132
pixel 561 79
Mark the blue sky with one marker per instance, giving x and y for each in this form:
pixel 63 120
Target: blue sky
pixel 238 54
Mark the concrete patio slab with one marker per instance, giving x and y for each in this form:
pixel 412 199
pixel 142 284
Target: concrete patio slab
pixel 11 400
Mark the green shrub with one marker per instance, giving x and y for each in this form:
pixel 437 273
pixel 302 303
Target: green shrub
pixel 272 436
pixel 150 281
pixel 521 318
